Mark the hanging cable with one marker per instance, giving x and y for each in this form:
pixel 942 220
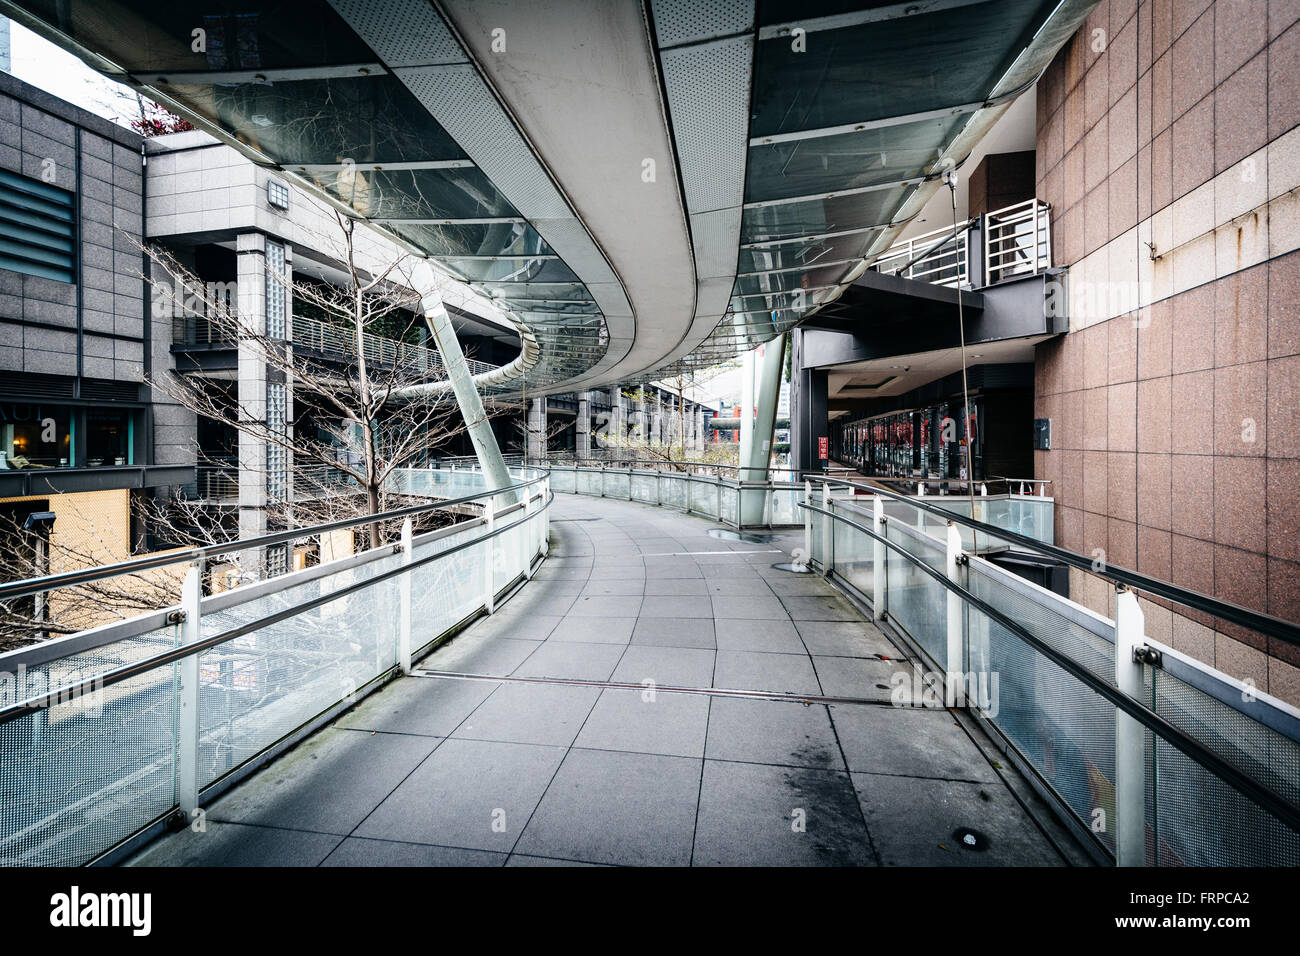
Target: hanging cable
pixel 950 178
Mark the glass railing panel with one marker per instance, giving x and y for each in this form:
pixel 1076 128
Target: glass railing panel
pixel 1058 724
pixel 260 687
pixel 645 488
pixel 704 497
pixel 729 499
pixel 916 602
pixel 854 550
pixel 589 482
pixel 564 479
pixel 674 488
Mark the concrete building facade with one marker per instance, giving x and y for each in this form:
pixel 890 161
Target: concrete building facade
pixel 1168 148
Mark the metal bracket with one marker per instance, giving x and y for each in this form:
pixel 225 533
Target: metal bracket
pixel 176 617
pixel 397 549
pixel 963 559
pixel 1147 655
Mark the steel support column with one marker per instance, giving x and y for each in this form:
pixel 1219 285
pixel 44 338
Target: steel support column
pixel 766 364
pixel 462 385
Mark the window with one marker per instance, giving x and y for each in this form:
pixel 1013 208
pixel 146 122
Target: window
pixel 277 194
pixel 35 436
pixel 37 231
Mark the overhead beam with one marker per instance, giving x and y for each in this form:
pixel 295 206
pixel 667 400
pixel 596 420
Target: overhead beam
pixel 857 18
pixel 267 75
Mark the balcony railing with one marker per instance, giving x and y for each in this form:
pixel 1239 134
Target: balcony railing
pixel 1148 755
pixel 1017 241
pixel 1007 243
pixel 927 258
pixel 108 734
pixel 196 329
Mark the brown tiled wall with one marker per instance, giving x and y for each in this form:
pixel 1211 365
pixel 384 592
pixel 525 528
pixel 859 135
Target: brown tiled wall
pixel 1149 462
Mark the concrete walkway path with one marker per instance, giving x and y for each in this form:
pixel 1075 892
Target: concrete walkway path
pixel 511 747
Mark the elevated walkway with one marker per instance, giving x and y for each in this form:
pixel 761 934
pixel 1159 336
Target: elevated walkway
pixel 656 695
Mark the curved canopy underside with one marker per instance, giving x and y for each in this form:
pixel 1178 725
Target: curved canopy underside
pixel 646 188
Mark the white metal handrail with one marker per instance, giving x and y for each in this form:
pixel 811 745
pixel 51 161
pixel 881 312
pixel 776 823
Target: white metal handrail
pixel 1017 241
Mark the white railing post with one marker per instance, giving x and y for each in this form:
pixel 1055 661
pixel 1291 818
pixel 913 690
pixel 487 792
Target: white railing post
pixel 807 520
pixel 526 536
pixel 828 533
pixel 489 555
pixel 404 598
pixel 187 704
pixel 545 529
pixel 1130 738
pixel 956 649
pixel 879 555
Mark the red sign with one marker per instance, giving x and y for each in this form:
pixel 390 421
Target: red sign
pixel 823 448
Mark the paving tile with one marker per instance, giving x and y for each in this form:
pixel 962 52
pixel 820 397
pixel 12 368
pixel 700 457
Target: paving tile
pixel 667 568
pixel 815 608
pixel 772 732
pixel 614 586
pixel 908 740
pixel 861 677
pixel 300 790
pixel 594 630
pixel 521 627
pixel 752 607
pixel 780 673
pixel 238 844
pixel 570 660
pixel 666 666
pixel 417 705
pixel 753 815
pixel 521 859
pixel 356 851
pixel 660 587
pixel 739 587
pixel 470 654
pixel 616 605
pixel 469 793
pixel 845 639
pixel 774 636
pixel 641 722
pixel 611 807
pixel 528 713
pixel 921 822
pixel 677 606
pixel 675 632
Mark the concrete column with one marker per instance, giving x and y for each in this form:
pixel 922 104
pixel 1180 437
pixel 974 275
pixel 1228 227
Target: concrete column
pixel 584 425
pixel 616 429
pixel 537 430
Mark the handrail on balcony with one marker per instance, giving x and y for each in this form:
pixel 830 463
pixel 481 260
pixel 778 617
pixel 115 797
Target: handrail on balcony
pixel 1016 242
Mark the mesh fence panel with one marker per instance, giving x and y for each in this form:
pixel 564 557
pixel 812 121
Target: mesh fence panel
pixel 1193 817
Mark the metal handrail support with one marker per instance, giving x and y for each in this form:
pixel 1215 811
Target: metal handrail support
pixel 1277 805
pixel 1233 613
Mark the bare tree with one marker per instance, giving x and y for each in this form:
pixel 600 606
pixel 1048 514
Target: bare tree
pixel 354 428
